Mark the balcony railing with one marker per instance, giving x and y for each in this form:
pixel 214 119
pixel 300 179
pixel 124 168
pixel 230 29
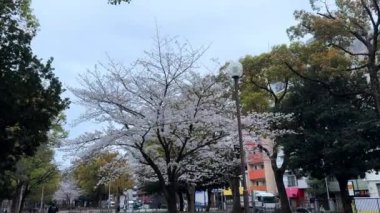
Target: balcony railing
pixel 256 174
pixel 259 188
pixel 255 158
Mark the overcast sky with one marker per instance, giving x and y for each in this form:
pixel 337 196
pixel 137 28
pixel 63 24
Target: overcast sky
pixel 80 33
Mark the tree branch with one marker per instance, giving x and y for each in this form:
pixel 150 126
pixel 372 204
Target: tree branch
pixel 368 13
pixel 347 51
pixel 322 83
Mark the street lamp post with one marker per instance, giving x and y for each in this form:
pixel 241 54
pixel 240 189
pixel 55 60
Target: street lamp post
pixel 235 69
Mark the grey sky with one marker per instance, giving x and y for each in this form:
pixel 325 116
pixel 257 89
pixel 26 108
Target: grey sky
pixel 79 33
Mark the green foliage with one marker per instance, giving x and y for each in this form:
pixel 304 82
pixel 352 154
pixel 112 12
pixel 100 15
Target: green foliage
pixel 337 134
pixel 90 175
pixel 351 28
pixel 29 89
pixel 266 78
pixel 34 172
pixel 22 9
pixel 86 175
pixel 339 130
pixel 27 13
pixel 317 188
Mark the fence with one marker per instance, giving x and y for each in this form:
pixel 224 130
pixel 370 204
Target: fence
pixel 367 205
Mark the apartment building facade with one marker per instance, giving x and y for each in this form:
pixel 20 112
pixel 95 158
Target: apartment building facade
pixel 261 177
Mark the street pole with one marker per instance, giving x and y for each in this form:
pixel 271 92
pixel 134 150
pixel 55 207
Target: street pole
pixel 328 194
pixel 42 199
pixel 109 195
pixel 242 155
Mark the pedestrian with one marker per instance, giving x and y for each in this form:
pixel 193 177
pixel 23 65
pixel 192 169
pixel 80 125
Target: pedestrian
pixel 53 208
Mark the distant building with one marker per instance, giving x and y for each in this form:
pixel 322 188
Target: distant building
pixel 260 173
pixel 261 177
pixel 373 182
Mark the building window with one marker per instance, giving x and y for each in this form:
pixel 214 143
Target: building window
pixel 292 180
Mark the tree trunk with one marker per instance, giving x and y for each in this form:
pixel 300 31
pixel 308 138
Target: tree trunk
pixel 181 204
pixel 18 197
pixel 190 198
pixel 26 193
pixel 375 87
pixel 278 176
pixel 170 196
pixel 236 205
pixel 346 200
pixel 117 203
pixel 209 194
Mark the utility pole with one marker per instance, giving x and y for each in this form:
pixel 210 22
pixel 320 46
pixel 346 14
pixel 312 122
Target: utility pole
pixel 42 199
pixel 328 194
pixel 109 195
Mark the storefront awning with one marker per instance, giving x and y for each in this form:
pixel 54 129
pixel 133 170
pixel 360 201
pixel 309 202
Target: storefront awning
pixel 294 192
pixel 228 191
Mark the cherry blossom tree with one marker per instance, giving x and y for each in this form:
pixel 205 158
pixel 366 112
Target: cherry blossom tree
pixel 68 191
pixel 160 109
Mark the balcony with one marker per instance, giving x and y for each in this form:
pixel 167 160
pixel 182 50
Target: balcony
pixel 255 158
pixel 258 188
pixel 256 174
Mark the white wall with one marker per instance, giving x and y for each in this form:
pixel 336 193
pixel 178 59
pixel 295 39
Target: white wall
pixel 373 181
pixel 201 196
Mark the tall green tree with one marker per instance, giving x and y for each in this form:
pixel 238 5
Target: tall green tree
pixel 34 176
pixel 29 90
pixel 86 174
pixel 349 27
pixel 101 174
pixel 338 136
pixel 31 175
pixel 266 81
pixel 273 74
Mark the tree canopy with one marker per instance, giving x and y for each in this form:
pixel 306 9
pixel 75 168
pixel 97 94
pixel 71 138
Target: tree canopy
pixel 29 89
pixel 102 172
pixel 351 28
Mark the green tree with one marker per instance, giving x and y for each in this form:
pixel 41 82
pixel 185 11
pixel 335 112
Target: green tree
pixel 100 173
pixel 35 175
pixel 31 175
pixel 29 89
pixel 273 74
pixel 266 81
pixel 86 175
pixel 338 136
pixel 352 29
